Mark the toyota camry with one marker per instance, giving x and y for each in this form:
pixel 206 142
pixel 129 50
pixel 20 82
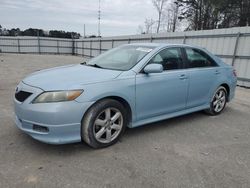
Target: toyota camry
pixel 128 86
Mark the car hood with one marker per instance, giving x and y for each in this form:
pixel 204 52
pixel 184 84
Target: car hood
pixel 69 77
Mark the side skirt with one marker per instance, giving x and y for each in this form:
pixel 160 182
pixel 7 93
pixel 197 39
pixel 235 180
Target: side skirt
pixel 168 116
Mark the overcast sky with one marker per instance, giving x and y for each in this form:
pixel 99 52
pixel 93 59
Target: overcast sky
pixel 119 17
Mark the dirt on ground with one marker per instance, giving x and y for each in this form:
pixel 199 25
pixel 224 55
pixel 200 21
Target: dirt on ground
pixel 194 150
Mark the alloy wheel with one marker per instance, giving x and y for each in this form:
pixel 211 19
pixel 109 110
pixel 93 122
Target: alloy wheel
pixel 108 125
pixel 219 100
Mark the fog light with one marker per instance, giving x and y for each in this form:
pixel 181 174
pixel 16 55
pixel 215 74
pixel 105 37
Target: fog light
pixel 40 128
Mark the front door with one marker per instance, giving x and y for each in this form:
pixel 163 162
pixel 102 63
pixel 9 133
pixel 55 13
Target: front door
pixel 165 92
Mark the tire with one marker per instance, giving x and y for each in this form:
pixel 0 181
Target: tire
pixel 218 101
pixel 104 123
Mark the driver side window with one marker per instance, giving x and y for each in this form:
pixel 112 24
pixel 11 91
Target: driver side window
pixel 170 59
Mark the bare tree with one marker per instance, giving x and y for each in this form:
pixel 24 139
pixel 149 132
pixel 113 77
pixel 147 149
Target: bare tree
pixel 140 29
pixel 159 5
pixel 175 7
pixel 173 16
pixel 149 25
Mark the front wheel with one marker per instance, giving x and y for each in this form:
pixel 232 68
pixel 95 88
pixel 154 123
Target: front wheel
pixel 218 101
pixel 104 123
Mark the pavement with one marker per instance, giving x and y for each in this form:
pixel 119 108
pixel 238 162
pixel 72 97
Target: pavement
pixel 194 150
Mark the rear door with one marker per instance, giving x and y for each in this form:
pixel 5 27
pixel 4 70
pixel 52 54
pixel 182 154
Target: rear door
pixel 203 73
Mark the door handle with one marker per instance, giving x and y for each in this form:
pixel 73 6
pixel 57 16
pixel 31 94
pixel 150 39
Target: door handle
pixel 217 72
pixel 183 77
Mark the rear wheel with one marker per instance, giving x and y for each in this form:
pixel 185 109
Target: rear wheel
pixel 104 123
pixel 218 101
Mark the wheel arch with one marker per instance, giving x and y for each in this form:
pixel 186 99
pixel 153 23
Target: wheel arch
pixel 123 101
pixel 226 86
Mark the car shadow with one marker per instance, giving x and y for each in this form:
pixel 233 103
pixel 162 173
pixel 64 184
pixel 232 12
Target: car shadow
pixel 164 124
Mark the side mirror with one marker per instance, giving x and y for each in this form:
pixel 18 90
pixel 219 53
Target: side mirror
pixel 153 68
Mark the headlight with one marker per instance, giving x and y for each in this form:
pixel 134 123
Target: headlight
pixel 57 96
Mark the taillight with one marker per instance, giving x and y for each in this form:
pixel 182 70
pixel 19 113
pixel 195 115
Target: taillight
pixel 234 73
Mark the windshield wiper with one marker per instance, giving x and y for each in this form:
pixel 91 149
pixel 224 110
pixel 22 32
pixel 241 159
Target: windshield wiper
pixel 83 63
pixel 95 65
pixel 92 65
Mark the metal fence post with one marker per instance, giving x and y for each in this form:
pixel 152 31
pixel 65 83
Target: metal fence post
pixel 57 45
pixel 83 48
pixel 151 38
pixel 112 43
pixel 76 47
pixel 39 46
pixel 91 48
pixel 184 39
pixel 100 46
pixel 73 47
pixel 235 47
pixel 18 45
pixel 129 40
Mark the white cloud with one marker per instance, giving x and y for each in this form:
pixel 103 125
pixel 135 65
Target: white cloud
pixel 118 16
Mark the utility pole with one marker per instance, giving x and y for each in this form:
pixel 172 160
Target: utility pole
pixel 99 19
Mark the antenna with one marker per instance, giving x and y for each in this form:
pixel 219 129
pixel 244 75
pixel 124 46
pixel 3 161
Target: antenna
pixel 99 19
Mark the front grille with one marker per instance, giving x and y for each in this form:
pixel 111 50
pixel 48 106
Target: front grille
pixel 21 96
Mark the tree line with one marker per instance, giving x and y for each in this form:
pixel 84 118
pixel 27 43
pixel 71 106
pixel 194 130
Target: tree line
pixel 211 14
pixel 38 32
pixel 197 15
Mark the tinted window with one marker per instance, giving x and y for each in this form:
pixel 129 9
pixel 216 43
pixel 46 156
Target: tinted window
pixel 198 58
pixel 170 59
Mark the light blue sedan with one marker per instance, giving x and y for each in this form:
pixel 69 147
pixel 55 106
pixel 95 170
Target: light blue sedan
pixel 128 86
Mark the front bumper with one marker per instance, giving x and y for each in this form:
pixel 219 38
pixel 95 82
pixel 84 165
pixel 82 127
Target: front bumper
pixel 62 120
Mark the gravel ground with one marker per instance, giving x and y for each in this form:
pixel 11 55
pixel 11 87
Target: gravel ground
pixel 195 150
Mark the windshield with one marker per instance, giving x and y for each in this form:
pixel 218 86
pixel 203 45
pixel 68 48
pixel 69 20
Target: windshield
pixel 121 58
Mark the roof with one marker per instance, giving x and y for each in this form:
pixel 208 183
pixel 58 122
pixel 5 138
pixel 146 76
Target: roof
pixel 161 45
